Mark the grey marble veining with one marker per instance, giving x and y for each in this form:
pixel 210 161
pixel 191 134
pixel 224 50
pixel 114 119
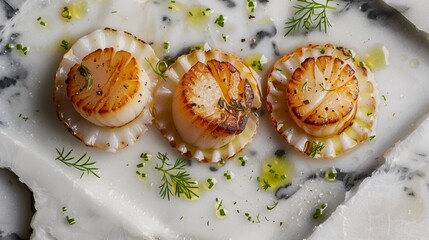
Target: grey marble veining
pixel 14 74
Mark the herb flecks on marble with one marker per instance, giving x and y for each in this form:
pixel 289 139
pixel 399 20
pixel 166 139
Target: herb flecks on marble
pixel 83 163
pixel 309 15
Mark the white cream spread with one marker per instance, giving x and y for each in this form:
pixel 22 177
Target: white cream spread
pixel 120 206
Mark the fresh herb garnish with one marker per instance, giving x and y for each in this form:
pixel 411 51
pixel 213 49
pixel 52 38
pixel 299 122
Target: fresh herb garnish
pixel 220 21
pixel 228 175
pixel 175 177
pixel 274 205
pixel 224 37
pixel 41 22
pixel 85 166
pixel 22 48
pixel 243 160
pixel 211 182
pixel 70 220
pixel 23 117
pixel 251 5
pixel 257 65
pixel 318 213
pixel 65 44
pixel 166 46
pixel 159 69
pixel 309 14
pixel 220 210
pixel 315 148
pixel 66 13
pixel 84 72
pixel 331 175
pixel 371 137
pixel 145 157
pixel 235 104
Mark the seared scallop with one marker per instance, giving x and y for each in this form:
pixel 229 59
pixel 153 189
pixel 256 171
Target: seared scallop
pixel 205 108
pixel 103 89
pixel 321 101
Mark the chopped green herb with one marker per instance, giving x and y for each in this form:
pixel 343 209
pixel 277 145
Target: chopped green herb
pixel 166 46
pixel 9 46
pixel 85 166
pixel 322 51
pixel 22 48
pixel 229 175
pixel 225 37
pixel 314 148
pixel 251 5
pixel 84 72
pixel 173 6
pixel 66 13
pixel 220 21
pixel 65 44
pixel 265 184
pixel 384 97
pixel 207 12
pixel 211 182
pixel 274 205
pixel 70 220
pixel 243 160
pixel 371 137
pixel 64 209
pixel 369 113
pixel 361 64
pixel 331 175
pixel 140 165
pixel 318 213
pixel 23 117
pixel 145 156
pixel 257 64
pixel 41 22
pixel 221 212
pixel 113 11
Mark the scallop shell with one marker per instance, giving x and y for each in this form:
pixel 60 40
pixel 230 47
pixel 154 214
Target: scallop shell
pixel 163 106
pixel 108 138
pixel 363 122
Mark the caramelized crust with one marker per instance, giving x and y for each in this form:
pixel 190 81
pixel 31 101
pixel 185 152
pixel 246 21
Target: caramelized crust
pixel 104 84
pixel 322 95
pixel 214 101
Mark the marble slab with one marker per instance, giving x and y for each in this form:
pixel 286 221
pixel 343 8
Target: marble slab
pixel 17 80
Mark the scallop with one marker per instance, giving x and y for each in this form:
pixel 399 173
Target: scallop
pixel 206 106
pixel 104 88
pixel 321 101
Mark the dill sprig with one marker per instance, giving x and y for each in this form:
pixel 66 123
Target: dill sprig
pixel 159 68
pixel 309 14
pixel 175 177
pixel 82 164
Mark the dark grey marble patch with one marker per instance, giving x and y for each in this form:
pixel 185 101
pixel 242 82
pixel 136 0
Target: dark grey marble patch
pixel 261 35
pixel 229 3
pixel 12 236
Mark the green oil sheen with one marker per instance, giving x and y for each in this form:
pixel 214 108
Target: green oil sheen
pixel 276 172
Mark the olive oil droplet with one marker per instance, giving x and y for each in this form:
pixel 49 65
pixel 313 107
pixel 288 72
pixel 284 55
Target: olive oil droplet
pixel 276 172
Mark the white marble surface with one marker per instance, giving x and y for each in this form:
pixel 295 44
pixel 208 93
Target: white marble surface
pixel 50 197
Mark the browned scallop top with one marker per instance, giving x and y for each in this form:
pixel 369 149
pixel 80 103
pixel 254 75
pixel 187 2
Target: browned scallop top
pixel 322 91
pixel 217 96
pixel 104 82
